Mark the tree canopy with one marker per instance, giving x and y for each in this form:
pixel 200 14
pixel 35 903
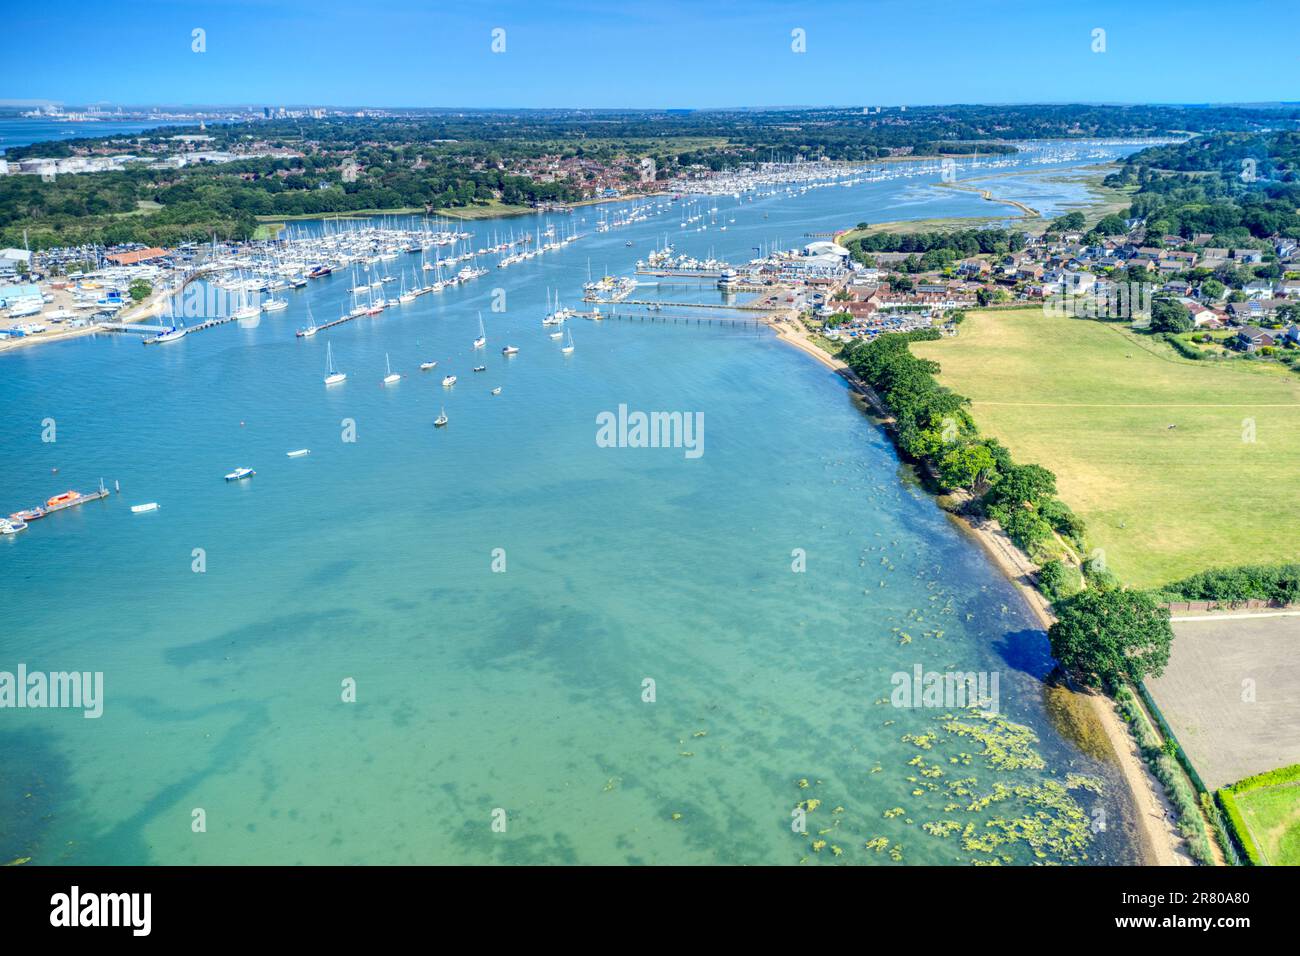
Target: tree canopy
pixel 1104 637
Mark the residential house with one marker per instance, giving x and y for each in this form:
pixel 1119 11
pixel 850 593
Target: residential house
pixel 1252 338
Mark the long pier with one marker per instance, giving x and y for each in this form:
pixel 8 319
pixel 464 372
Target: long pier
pixel 131 327
pixel 742 307
pixel 157 329
pixel 682 273
pixel 746 321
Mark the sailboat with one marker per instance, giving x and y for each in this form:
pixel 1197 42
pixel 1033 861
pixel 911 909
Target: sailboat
pixel 482 335
pixel 246 310
pixel 169 334
pixel 441 419
pixel 391 377
pixel 332 377
pixel 567 349
pixel 308 330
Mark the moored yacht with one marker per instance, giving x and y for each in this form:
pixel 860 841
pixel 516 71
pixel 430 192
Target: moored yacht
pixel 332 377
pixel 391 377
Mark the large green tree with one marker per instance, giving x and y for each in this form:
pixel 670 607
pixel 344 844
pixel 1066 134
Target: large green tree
pixel 968 466
pixel 1023 485
pixel 1170 316
pixel 1104 637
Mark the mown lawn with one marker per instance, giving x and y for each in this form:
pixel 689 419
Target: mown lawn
pixel 1273 815
pixel 1095 403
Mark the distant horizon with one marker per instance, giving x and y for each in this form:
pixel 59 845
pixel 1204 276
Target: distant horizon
pixel 275 104
pixel 551 54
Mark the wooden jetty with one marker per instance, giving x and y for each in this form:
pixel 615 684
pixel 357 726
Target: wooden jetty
pixel 131 327
pixel 745 321
pixel 727 306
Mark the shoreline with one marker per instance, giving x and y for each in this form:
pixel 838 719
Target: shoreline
pixel 1159 843
pixel 145 309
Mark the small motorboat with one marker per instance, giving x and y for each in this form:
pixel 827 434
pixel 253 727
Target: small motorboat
pixel 146 507
pixel 449 381
pixel 480 368
pixel 239 474
pixel 426 366
pixel 12 525
pixel 497 390
pixel 298 453
pixel 510 350
pixel 27 514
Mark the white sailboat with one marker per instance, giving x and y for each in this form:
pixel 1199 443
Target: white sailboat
pixel 567 349
pixel 308 330
pixel 246 311
pixel 441 419
pixel 331 376
pixel 482 335
pixel 391 377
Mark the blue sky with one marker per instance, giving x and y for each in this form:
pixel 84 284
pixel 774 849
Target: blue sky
pixel 575 53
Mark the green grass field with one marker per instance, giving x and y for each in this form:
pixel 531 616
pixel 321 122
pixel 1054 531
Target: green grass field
pixel 1264 810
pixel 1273 815
pixel 1093 402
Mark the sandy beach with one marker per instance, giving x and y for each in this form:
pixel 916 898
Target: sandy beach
pixel 1159 841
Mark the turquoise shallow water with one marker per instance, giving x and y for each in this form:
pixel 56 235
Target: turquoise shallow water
pixel 522 690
